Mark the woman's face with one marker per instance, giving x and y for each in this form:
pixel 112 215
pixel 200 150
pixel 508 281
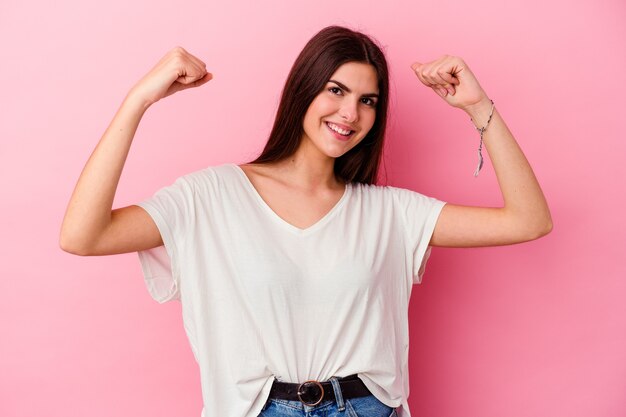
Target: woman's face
pixel 343 113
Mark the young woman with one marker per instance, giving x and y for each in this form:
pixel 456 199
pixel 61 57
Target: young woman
pixel 294 271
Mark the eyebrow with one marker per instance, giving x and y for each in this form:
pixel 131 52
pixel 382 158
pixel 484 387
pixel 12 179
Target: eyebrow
pixel 349 91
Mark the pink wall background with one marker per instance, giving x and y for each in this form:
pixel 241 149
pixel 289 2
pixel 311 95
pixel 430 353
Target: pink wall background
pixel 537 329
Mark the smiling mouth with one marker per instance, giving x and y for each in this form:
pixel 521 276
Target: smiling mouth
pixel 339 130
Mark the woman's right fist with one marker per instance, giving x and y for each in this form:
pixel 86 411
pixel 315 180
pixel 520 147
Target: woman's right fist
pixel 177 70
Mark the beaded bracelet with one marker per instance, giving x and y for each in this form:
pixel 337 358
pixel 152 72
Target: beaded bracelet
pixel 480 147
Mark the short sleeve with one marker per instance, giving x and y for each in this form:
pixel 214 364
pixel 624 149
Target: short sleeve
pixel 171 208
pixel 420 215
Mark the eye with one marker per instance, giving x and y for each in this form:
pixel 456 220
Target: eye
pixel 368 101
pixel 335 90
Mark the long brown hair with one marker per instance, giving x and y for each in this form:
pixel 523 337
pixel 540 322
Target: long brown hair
pixel 330 48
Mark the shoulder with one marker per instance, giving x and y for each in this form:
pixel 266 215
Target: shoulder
pixel 396 198
pixel 384 191
pixel 211 175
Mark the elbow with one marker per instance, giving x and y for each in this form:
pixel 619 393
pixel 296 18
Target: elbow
pixel 548 227
pixel 542 231
pixel 540 228
pixel 530 226
pixel 546 224
pixel 73 246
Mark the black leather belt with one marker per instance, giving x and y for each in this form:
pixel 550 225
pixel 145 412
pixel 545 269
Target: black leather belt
pixel 314 392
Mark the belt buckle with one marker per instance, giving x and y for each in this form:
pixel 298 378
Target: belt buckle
pixel 310 393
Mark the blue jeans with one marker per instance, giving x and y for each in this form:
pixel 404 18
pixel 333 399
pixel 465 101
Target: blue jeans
pixel 368 406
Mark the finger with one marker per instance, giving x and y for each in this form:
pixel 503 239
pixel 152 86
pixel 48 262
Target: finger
pixel 416 69
pixel 447 69
pixel 190 76
pixel 426 73
pixel 439 75
pixel 449 88
pixel 199 71
pixel 441 92
pixel 447 76
pixel 197 83
pixel 196 66
pixel 187 80
pixel 188 62
pixel 423 80
pixel 432 79
pixel 207 77
pixel 197 61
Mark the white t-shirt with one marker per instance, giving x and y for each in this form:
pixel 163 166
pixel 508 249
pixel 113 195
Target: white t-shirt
pixel 264 300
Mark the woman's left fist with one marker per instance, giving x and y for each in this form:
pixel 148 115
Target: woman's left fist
pixel 451 78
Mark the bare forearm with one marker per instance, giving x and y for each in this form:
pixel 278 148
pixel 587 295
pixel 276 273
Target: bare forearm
pixel 89 210
pixel 523 198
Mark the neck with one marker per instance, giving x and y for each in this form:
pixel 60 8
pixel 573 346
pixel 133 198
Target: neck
pixel 310 169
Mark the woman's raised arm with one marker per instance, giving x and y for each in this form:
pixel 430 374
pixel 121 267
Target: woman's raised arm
pixel 525 215
pixel 90 226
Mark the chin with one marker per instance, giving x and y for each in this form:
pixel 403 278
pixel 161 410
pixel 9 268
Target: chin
pixel 337 153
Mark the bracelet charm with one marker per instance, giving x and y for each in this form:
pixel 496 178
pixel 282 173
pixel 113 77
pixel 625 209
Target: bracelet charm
pixel 480 146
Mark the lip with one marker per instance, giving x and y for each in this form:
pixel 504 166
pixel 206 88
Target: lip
pixel 337 135
pixel 344 127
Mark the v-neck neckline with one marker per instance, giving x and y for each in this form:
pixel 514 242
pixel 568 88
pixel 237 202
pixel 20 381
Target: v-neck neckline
pixel 315 226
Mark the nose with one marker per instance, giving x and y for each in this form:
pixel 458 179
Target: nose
pixel 349 111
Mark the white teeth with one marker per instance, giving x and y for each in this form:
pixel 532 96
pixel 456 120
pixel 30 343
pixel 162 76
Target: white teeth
pixel 338 129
